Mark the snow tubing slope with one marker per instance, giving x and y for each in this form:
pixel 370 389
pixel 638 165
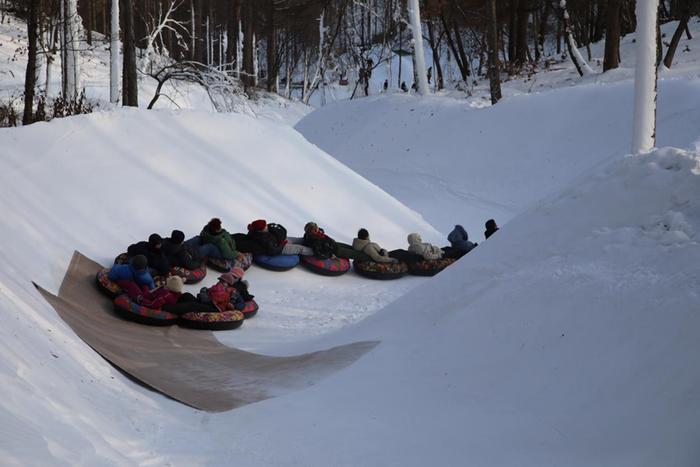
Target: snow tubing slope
pixel 277 263
pixel 165 358
pixel 326 267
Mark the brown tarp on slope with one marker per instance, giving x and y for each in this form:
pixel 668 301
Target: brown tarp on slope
pixel 190 366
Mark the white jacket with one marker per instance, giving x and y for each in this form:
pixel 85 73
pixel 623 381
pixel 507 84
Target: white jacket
pixel 426 250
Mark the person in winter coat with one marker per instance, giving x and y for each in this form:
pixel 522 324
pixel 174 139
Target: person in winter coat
pixel 168 295
pixel 374 251
pixel 265 242
pixel 459 243
pixel 491 228
pixel 224 295
pixel 152 250
pixel 134 278
pixel 323 246
pixel 180 254
pixel 426 250
pixel 216 242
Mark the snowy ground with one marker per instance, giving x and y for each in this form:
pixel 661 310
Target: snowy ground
pixel 565 339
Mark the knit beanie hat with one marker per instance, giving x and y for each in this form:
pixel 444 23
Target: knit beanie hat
pixel 174 283
pixel 227 278
pixel 154 240
pixel 237 272
pixel 214 225
pixel 177 237
pixel 258 225
pixel 139 262
pixel 310 227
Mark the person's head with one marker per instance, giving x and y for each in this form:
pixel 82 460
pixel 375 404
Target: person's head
pixel 311 228
pixel 491 224
pixel 177 237
pixel 139 263
pixel 174 284
pixel 237 272
pixel 362 234
pixel 227 279
pixel 414 238
pixel 214 225
pixel 259 225
pixel 155 241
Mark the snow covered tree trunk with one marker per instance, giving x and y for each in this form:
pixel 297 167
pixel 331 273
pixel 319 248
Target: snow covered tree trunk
pixel 576 57
pixel 256 62
pixel 72 47
pixel 644 125
pixel 239 50
pixel 114 54
pixel 414 15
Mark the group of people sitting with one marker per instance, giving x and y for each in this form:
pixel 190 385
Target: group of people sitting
pixel 159 255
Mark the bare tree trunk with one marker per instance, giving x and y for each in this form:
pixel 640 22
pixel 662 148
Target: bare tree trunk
pixel 521 48
pixel 248 46
pixel 130 90
pixel 494 66
pixel 30 75
pixel 675 40
pixel 271 46
pixel 612 36
pixel 114 54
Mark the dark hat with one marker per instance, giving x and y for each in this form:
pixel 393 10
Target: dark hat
pixel 154 239
pixel 214 225
pixel 177 236
pixel 139 262
pixel 258 225
pixel 490 224
pixel 362 234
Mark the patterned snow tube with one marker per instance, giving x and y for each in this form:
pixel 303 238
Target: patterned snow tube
pixel 105 285
pixel 251 309
pixel 190 276
pixel 243 261
pixel 277 262
pixel 132 311
pixel 326 267
pixel 214 321
pixel 429 267
pixel 380 271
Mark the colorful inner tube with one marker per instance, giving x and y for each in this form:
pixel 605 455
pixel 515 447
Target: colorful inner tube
pixel 429 268
pixel 132 311
pixel 190 276
pixel 214 321
pixel 251 309
pixel 380 271
pixel 243 261
pixel 105 285
pixel 277 263
pixel 326 267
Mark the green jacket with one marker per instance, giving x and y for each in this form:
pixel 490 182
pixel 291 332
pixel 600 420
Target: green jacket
pixel 222 240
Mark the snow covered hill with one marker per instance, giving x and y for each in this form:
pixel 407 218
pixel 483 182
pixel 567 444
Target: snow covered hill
pixel 457 163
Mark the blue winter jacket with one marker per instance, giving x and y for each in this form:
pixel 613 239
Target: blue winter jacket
pixel 459 239
pixel 120 272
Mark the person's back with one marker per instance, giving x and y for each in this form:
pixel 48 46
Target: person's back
pixel 152 250
pixel 459 239
pixel 214 234
pixel 491 228
pixel 426 250
pixel 363 244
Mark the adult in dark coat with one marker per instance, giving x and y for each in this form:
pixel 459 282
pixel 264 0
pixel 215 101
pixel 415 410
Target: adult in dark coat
pixel 459 243
pixel 152 250
pixel 180 254
pixel 262 241
pixel 491 228
pixel 315 238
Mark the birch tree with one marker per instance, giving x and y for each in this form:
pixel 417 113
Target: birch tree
pixel 114 54
pixel 70 45
pixel 644 123
pixel 422 78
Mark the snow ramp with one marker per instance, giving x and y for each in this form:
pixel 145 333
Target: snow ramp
pixel 190 366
